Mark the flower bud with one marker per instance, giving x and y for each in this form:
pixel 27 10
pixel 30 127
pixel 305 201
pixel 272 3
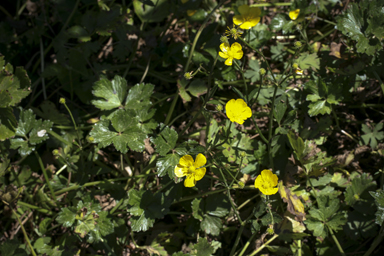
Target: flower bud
pixel 270 231
pixel 188 76
pixel 298 44
pixel 91 139
pixel 55 152
pixel 262 71
pixel 62 101
pixel 224 39
pixel 241 184
pixel 295 66
pixel 219 107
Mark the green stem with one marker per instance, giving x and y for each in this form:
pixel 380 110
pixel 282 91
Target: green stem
pixel 34 207
pixel 247 201
pixel 198 35
pixel 378 78
pixel 116 206
pixel 187 198
pixel 299 248
pixel 234 207
pixel 270 128
pixel 134 52
pixel 42 68
pixel 271 4
pixel 24 232
pixel 46 176
pixel 5 12
pixel 237 240
pixel 259 131
pixel 262 55
pixel 336 241
pixel 74 123
pixel 262 247
pixel 171 109
pixel 95 183
pixel 247 244
pixel 376 242
pixel 245 84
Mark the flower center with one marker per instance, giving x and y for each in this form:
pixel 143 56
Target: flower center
pixel 191 169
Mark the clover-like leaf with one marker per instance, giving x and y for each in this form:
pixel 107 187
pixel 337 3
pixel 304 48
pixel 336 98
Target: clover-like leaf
pixel 8 123
pixel 203 248
pixel 211 225
pixel 112 93
pixel 31 131
pixel 356 194
pixel 167 164
pixel 139 96
pixel 379 201
pixel 66 217
pixel 165 141
pixel 372 136
pixel 307 60
pixel 124 132
pixel 146 207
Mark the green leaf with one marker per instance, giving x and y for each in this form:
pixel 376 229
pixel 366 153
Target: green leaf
pixel 112 93
pixel 319 107
pixel 278 22
pixel 165 141
pixel 253 72
pixel 217 205
pixel 279 111
pixel 49 112
pixel 11 248
pixel 86 225
pixel 44 225
pixel 197 87
pixel 146 207
pixel 277 52
pixel 167 164
pixel 379 201
pixel 8 123
pixel 371 137
pixel 32 132
pixel 66 217
pixel 152 13
pixel 139 96
pixel 126 134
pixel 203 248
pixel 297 144
pixel 211 225
pixel 361 184
pixel 13 87
pixel 197 212
pixel 307 60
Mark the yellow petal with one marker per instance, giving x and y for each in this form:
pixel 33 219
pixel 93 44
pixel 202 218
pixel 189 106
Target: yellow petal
pixel 246 25
pixel 228 62
pixel 269 191
pixel 179 171
pixel 244 9
pixel 199 174
pixel 237 19
pixel 255 12
pixel 236 51
pixel 186 161
pixel 190 181
pixel 253 22
pixel 258 181
pixel 246 113
pixel 223 55
pixel 294 14
pixel 224 47
pixel 200 161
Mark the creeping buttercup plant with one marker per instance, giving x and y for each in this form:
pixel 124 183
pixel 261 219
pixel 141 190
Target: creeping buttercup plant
pixel 200 127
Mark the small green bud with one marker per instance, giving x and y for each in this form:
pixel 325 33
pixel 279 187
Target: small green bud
pixel 219 107
pixel 241 184
pixel 91 139
pixel 298 44
pixel 224 39
pixel 55 152
pixel 295 66
pixel 243 154
pixel 188 76
pixel 299 27
pixel 62 101
pixel 270 231
pixel 262 71
pixel 356 196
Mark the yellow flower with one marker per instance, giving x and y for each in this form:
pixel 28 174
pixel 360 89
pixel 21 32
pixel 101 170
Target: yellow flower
pixel 184 1
pixel 248 18
pixel 191 12
pixel 237 111
pixel 192 169
pixel 230 53
pixel 298 71
pixel 266 182
pixel 294 14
